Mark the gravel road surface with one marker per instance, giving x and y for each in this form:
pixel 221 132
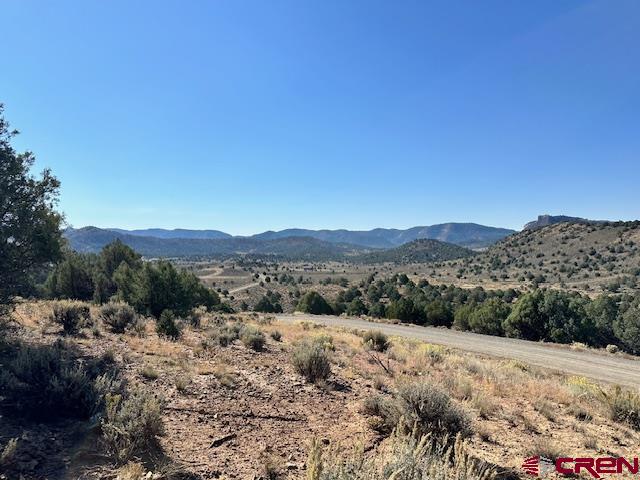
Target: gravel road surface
pixel 595 365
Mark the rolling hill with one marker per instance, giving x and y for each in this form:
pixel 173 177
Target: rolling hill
pixel 591 257
pixel 546 220
pixel 417 251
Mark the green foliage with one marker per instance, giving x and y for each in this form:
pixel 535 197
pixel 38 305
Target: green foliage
pixel 356 307
pixel 131 424
pixel 30 236
pixel 167 326
pixel 462 315
pixel 627 328
pixel 118 316
pixel 487 318
pixel 269 303
pixel 550 315
pixel 72 278
pixel 115 254
pixel 311 360
pixel 160 286
pixel 118 273
pixel 112 257
pixel 404 310
pixel 603 312
pixel 418 251
pixel 314 303
pixel 377 310
pixel 438 313
pixel 48 382
pixel 71 315
pixel 526 320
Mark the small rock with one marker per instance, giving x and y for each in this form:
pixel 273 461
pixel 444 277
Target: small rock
pixel 220 440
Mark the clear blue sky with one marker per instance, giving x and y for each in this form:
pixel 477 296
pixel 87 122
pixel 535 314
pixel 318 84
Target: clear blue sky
pixel 252 115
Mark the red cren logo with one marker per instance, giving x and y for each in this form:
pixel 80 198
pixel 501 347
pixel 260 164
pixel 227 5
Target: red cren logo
pixel 539 466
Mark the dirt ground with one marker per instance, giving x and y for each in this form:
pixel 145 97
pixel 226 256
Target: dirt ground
pixel 230 411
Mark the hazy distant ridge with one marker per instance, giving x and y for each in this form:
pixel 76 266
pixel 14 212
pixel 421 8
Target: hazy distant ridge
pixel 470 235
pixel 92 239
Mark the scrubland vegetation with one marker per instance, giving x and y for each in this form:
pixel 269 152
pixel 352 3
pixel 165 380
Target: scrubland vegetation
pixel 541 314
pixel 151 393
pixel 581 256
pixel 115 366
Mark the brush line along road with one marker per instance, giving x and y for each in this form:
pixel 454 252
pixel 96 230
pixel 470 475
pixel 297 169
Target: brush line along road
pixel 595 365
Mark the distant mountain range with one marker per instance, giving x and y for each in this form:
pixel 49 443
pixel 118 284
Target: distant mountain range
pixel 447 241
pixel 450 240
pixel 92 239
pixel 470 235
pixel 175 233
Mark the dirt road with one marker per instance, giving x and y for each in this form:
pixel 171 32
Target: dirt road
pixel 598 366
pixel 244 287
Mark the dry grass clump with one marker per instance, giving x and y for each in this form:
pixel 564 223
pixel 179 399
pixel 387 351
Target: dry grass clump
pixel 460 386
pixel 225 375
pixel 376 340
pixel 579 412
pixel 252 337
pixel 325 341
pixel 131 424
pixel 8 453
pixel 310 359
pixel 420 408
pixel 405 458
pixel 623 406
pixel 182 383
pixel 139 327
pixel 583 388
pixel 276 335
pixel 149 372
pixel 546 448
pixel 485 405
pixel 117 316
pixel 383 413
pixel 545 409
pixel 426 408
pixel 132 471
pixel 70 315
pixel 48 381
pixel 224 335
